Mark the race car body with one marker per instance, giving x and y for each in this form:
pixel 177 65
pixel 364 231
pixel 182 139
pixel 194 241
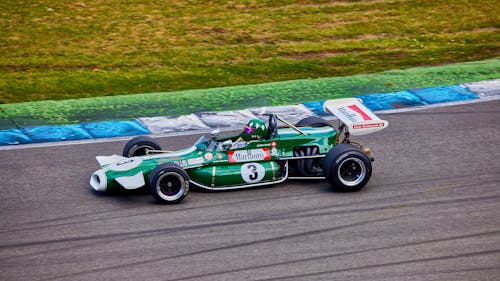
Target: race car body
pixel 304 151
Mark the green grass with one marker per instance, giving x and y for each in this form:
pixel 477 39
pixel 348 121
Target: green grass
pixel 71 49
pixel 239 97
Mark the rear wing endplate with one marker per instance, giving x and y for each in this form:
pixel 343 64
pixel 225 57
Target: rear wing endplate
pixel 358 119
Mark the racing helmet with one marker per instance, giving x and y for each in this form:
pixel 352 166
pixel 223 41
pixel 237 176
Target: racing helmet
pixel 254 130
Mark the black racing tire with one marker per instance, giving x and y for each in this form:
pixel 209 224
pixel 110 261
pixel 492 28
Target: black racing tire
pixel 347 168
pixel 313 121
pixel 168 183
pixel 139 146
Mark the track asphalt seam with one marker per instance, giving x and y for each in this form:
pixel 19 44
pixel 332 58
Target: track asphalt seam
pixel 202 122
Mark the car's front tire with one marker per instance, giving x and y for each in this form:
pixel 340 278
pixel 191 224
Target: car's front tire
pixel 347 168
pixel 139 146
pixel 169 183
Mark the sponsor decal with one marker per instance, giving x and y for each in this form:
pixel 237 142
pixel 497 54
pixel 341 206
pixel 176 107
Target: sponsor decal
pixel 124 162
pixel 274 151
pixel 364 126
pixel 219 156
pixel 271 144
pixel 185 163
pixel 361 112
pixel 196 161
pixel 354 113
pixel 182 163
pixel 209 156
pixel 252 172
pixel 249 155
pixel 125 165
pixel 347 113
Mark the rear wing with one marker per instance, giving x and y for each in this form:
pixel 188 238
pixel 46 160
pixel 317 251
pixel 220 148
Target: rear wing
pixel 357 117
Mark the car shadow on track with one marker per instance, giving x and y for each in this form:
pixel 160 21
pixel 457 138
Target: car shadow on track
pixel 293 187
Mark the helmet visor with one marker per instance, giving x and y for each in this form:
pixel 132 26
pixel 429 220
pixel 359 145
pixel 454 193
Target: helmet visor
pixel 248 130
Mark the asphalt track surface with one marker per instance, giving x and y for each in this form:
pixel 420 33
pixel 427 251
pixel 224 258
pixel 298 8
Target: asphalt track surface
pixel 430 212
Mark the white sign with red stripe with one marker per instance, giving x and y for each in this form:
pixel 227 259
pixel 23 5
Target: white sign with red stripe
pixel 249 155
pixel 357 117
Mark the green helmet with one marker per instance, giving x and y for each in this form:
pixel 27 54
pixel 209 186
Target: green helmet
pixel 255 129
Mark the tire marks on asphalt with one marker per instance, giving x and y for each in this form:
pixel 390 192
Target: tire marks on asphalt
pixel 338 255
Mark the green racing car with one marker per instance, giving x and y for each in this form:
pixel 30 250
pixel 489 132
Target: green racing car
pixel 262 154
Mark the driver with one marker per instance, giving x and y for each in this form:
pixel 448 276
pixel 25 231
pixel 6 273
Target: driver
pixel 254 130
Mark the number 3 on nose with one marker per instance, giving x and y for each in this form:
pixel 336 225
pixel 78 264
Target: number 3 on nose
pixel 252 172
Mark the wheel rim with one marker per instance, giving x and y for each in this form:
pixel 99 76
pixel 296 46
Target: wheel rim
pixel 352 171
pixel 170 186
pixel 140 150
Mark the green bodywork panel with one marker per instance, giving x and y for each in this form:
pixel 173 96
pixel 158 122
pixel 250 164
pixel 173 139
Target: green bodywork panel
pixel 235 174
pixel 226 162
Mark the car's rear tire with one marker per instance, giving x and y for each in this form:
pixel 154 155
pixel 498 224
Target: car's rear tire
pixel 169 183
pixel 139 146
pixel 313 121
pixel 347 168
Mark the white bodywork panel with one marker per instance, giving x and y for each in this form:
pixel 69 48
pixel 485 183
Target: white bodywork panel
pixel 357 117
pixel 106 160
pixel 132 182
pixel 119 163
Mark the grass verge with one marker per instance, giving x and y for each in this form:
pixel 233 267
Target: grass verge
pixel 54 50
pixel 240 97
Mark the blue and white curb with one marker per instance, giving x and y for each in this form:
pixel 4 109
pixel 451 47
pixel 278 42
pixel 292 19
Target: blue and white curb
pixel 205 121
pixel 169 124
pixel 485 89
pixel 292 113
pixel 225 118
pixel 408 98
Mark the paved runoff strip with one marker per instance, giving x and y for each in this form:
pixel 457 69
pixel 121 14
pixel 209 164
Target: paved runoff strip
pixel 206 121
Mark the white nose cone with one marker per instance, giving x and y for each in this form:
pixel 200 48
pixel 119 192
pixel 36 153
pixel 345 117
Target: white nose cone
pixel 98 181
